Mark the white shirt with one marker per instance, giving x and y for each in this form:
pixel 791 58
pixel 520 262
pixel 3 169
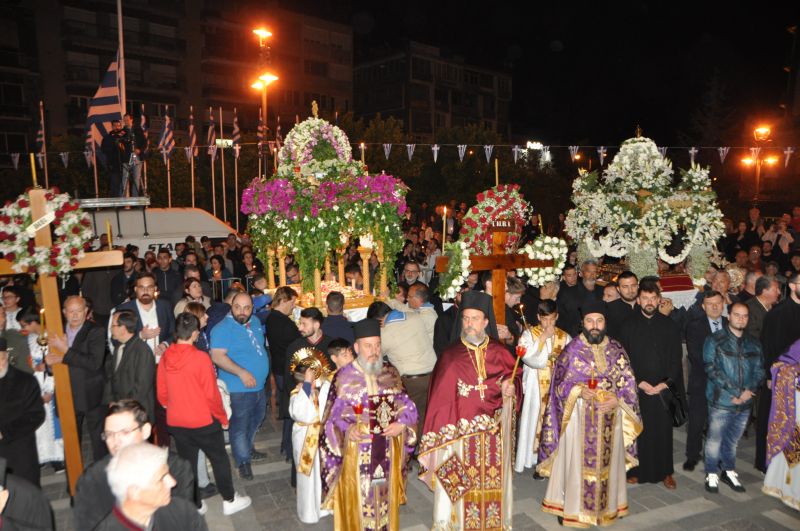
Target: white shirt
pixel 149 318
pixel 11 320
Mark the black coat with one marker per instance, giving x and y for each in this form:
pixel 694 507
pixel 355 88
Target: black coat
pixel 135 377
pixel 696 333
pixel 164 313
pixel 443 329
pixel 617 313
pixel 170 285
pixel 119 287
pixel 85 359
pixel 28 509
pixel 179 514
pixel 21 413
pixel 94 500
pixel 281 332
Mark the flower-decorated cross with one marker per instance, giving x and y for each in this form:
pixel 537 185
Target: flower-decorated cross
pixel 52 324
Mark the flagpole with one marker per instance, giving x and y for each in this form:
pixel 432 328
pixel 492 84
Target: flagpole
pixel 236 187
pixel 192 148
pixel 222 159
pixel 94 167
pixel 144 172
pixel 213 180
pixel 44 146
pixel 169 185
pixel 121 64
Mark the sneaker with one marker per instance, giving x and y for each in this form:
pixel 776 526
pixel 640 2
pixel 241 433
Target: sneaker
pixel 245 472
pixel 712 483
pixel 203 509
pixel 731 478
pixel 208 491
pixel 238 503
pixel 255 455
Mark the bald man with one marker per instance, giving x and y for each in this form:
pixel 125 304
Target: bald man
pixel 83 350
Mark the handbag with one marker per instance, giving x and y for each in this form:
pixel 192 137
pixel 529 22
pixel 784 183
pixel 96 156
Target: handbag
pixel 673 405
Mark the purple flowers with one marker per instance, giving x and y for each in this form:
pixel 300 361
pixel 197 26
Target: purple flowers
pixel 276 195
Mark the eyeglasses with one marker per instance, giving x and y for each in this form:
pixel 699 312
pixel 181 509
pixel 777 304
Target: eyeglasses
pixel 106 435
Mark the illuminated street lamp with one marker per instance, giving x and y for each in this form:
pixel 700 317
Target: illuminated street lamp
pixel 761 134
pixel 264 61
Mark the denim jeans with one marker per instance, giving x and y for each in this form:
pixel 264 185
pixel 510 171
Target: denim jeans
pixel 247 412
pixel 725 428
pixel 131 174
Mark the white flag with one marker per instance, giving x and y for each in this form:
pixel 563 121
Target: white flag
pixel 663 151
pixel 787 154
pixel 410 150
pixel 692 154
pixel 188 151
pixel 236 149
pixel 573 151
pixel 488 151
pixel 601 152
pixel 462 148
pixel 547 158
pixel 387 150
pixel 723 152
pixel 40 159
pixel 435 152
pixel 88 156
pixel 64 158
pixel 516 150
pixel 15 160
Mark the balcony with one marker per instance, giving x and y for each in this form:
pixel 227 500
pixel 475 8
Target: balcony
pixel 9 59
pixel 73 29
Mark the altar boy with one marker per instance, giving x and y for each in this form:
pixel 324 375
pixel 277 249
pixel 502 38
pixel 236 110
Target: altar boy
pixel 306 406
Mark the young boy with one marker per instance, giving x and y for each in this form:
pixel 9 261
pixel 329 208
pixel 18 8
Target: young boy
pixel 306 406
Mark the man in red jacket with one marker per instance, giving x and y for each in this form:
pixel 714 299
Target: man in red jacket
pixel 187 388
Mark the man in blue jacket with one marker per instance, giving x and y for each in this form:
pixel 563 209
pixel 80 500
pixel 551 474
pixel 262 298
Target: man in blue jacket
pixel 734 364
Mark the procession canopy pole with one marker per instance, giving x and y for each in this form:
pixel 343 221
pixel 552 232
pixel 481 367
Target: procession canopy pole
pixel 270 268
pixel 365 254
pixel 340 265
pixel 169 185
pixel 328 267
pixel 282 265
pixel 384 288
pixel 317 288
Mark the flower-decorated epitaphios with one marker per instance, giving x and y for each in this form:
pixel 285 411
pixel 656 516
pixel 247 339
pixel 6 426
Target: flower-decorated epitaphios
pixel 634 209
pixel 72 231
pixel 320 197
pixel 544 248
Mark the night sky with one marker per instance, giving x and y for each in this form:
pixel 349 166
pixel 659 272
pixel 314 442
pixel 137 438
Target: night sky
pixel 588 73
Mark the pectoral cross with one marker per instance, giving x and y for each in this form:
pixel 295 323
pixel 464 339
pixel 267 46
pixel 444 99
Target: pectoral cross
pixel 464 389
pixel 481 387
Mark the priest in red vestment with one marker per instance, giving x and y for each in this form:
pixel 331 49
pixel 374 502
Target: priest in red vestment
pixel 465 453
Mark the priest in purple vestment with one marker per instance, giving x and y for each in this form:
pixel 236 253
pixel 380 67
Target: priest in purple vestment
pixel 367 438
pixel 590 427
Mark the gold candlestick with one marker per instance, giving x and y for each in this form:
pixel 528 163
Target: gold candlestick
pixel 365 254
pixel 33 170
pixel 282 265
pixel 108 235
pixel 270 270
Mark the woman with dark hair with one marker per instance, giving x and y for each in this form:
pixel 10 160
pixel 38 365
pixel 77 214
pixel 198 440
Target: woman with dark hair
pixel 199 310
pixel 248 267
pixel 219 276
pixel 192 292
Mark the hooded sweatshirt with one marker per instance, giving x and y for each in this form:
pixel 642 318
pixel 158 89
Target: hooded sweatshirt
pixel 187 388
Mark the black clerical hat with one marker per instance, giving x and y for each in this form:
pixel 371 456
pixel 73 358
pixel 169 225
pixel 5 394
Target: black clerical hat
pixel 475 300
pixel 592 305
pixel 367 328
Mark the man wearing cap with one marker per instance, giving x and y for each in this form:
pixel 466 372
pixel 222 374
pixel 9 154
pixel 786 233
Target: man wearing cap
pixel 590 425
pixel 21 413
pixel 469 424
pixel 368 435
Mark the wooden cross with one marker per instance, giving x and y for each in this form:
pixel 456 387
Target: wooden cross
pixel 52 311
pixel 498 262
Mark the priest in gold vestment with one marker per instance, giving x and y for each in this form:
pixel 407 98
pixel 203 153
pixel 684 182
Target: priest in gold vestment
pixel 588 439
pixel 465 453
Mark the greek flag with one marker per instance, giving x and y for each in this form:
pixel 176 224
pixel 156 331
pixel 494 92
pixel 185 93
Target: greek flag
pixel 192 133
pixel 211 138
pixel 167 141
pixel 236 136
pixel 103 108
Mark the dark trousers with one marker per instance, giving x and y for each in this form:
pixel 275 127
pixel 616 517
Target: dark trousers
pixel 211 440
pixel 114 182
pixel 417 389
pixel 698 415
pixel 95 419
pixel 762 427
pixel 161 430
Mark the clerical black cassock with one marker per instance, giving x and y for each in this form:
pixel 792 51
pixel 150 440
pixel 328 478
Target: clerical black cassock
pixel 570 299
pixel 781 328
pixel 618 312
pixel 21 413
pixel 654 348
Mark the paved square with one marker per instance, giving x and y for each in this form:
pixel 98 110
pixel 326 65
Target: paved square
pixel 688 507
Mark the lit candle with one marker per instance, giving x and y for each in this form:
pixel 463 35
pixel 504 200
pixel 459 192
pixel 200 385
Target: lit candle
pixel 33 170
pixel 444 228
pixel 108 234
pixel 42 323
pixel 362 152
pixel 496 173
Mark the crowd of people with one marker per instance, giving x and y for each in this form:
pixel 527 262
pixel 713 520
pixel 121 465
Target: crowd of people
pixel 181 351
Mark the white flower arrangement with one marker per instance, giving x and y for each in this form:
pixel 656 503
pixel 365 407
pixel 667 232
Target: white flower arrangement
pixel 458 269
pixel 634 208
pixel 544 248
